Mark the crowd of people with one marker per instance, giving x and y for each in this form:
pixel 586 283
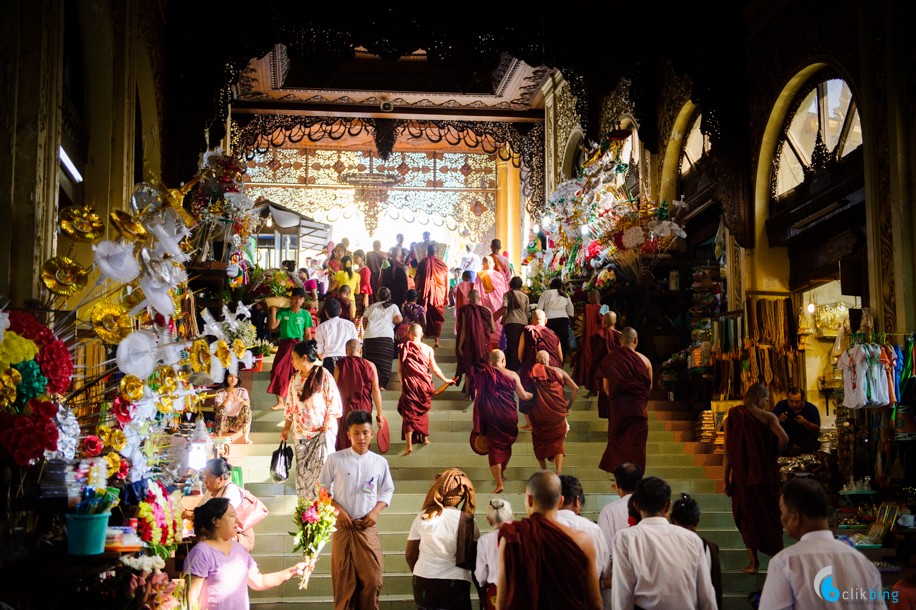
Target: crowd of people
pixel 334 360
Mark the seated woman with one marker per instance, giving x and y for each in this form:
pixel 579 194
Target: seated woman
pixel 443 535
pixel 221 569
pixel 411 313
pixel 217 479
pixel 233 409
pixel 487 571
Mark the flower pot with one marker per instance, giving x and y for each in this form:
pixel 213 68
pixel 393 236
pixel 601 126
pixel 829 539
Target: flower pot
pixel 258 364
pixel 86 533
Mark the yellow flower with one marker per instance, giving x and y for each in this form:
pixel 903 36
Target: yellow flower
pixel 63 276
pixel 239 348
pixel 168 380
pixel 223 353
pixel 104 434
pixel 114 463
pixel 9 379
pixel 165 404
pixel 111 322
pixel 131 388
pixel 200 356
pixel 81 223
pixel 15 348
pixel 117 440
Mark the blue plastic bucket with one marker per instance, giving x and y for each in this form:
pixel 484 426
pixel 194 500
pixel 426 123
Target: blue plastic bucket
pixel 86 533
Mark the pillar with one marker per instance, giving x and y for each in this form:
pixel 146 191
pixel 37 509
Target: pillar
pixel 508 210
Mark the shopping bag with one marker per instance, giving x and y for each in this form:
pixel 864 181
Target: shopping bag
pixel 280 462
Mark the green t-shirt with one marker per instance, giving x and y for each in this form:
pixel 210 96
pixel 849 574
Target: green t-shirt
pixel 293 324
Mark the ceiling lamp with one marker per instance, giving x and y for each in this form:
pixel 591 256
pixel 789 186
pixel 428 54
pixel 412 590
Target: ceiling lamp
pixel 370 193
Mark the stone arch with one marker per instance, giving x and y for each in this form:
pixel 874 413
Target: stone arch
pixel 573 142
pixel 672 160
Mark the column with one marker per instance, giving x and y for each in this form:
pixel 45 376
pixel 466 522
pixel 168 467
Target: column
pixel 508 210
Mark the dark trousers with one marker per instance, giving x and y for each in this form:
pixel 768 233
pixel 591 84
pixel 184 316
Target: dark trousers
pixel 328 363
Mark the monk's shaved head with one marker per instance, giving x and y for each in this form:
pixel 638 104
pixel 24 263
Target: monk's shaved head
pixel 538 317
pixel 414 330
pixel 354 348
pixel 609 319
pixel 474 296
pixel 628 336
pixel 497 356
pixel 543 357
pixel 544 490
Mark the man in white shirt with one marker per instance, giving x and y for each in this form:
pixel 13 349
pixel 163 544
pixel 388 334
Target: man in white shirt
pixel 332 335
pixel 361 485
pixel 818 571
pixel 573 497
pixel 615 517
pixel 470 262
pixel 656 564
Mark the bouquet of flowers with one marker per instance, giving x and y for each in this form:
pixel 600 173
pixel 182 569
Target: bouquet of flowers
pixel 159 521
pixel 262 347
pixel 315 523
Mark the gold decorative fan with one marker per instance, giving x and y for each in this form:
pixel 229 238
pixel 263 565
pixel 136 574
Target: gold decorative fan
pixel 132 298
pixel 63 276
pixel 239 348
pixel 111 322
pixel 131 388
pixel 81 223
pixel 127 226
pixel 200 356
pixel 223 353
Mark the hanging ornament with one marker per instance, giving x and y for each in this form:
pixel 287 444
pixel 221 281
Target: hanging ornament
pixel 168 380
pixel 81 223
pixel 239 348
pixel 111 322
pixel 127 226
pixel 116 261
pixel 63 276
pixel 200 356
pixel 223 353
pixel 131 388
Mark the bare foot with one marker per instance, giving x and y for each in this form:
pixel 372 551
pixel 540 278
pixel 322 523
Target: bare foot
pixel 498 490
pixel 436 344
pixel 407 451
pixel 277 407
pixel 751 569
pixel 526 428
pixel 425 440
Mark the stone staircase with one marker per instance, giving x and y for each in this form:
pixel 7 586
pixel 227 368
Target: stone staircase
pixel 672 455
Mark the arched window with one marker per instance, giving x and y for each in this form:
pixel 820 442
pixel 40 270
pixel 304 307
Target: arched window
pixel 825 127
pixel 696 146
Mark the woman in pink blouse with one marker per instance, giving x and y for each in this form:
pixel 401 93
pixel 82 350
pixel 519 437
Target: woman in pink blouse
pixel 233 409
pixel 312 408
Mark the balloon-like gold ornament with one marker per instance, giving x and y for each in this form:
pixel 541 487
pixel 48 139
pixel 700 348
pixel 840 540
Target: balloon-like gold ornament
pixel 168 380
pixel 223 353
pixel 63 276
pixel 131 388
pixel 127 226
pixel 239 348
pixel 81 223
pixel 111 322
pixel 200 356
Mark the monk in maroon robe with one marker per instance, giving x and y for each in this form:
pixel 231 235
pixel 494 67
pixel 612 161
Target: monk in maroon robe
pixel 495 415
pixel 432 285
pixel 415 360
pixel 591 325
pixel 754 439
pixel 357 381
pixel 536 337
pixel 542 563
pixel 627 381
pixel 548 417
pixel 474 323
pixel 603 343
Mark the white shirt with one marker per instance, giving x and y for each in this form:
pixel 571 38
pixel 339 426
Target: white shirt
pixel 855 377
pixel 231 492
pixel 661 566
pixel 438 538
pixel 792 571
pixel 332 336
pixel 488 558
pixel 380 321
pixel 357 482
pixel 613 518
pixel 555 306
pixel 573 521
pixel 470 262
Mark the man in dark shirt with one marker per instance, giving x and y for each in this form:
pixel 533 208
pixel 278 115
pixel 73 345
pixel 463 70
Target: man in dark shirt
pixel 801 421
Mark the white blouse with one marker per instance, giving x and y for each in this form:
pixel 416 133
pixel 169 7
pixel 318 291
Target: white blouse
pixel 555 306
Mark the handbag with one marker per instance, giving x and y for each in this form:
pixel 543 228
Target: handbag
pixel 280 462
pixel 466 547
pixel 250 512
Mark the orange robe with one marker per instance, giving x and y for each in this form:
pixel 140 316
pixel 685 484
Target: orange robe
pixel 416 389
pixel 548 417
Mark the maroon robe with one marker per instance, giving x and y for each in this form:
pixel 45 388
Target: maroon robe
pixel 582 360
pixel 603 343
pixel 354 381
pixel 416 389
pixel 752 451
pixel 475 350
pixel 537 338
pixel 548 417
pixel 627 424
pixel 495 413
pixel 544 567
pixel 432 286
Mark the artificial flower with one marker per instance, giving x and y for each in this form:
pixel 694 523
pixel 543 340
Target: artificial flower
pixel 56 365
pixel 121 407
pixel 123 470
pixel 81 223
pixel 633 237
pixel 104 434
pixel 92 446
pixel 9 381
pixel 16 348
pixel 33 382
pixel 117 441
pixel 63 276
pixel 113 461
pixel 26 325
pixel 131 388
pixel 127 226
pixel 43 408
pixel 116 261
pixel 5 323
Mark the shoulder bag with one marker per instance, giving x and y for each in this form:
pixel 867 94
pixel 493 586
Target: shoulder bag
pixel 280 462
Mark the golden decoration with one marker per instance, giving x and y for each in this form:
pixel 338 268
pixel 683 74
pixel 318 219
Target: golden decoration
pixel 63 276
pixel 117 440
pixel 239 348
pixel 200 356
pixel 168 380
pixel 175 198
pixel 131 296
pixel 104 434
pixel 127 226
pixel 113 461
pixel 9 379
pixel 165 404
pixel 223 353
pixel 81 223
pixel 111 322
pixel 131 388
pixel 191 402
